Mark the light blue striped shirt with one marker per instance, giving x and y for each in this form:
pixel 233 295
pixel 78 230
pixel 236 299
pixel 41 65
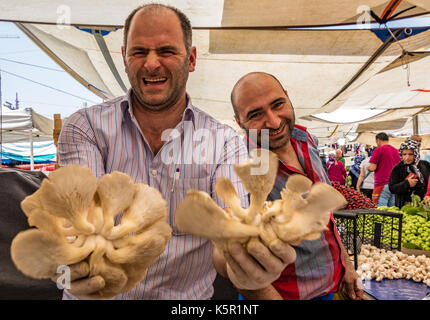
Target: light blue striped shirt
pixel 107 138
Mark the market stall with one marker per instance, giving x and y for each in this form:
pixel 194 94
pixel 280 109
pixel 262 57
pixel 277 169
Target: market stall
pixel 390 246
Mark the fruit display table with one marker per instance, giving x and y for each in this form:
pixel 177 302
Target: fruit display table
pixel 382 229
pixel 396 289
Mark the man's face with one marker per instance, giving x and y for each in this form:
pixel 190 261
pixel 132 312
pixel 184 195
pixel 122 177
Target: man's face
pixel 338 154
pixel 418 140
pixel 261 103
pixel 156 59
pixel 378 142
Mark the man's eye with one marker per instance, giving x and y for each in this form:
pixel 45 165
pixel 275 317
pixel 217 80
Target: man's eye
pixel 167 53
pixel 254 116
pixel 278 105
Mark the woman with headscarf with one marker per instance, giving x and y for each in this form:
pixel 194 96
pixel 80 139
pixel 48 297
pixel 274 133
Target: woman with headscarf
pixel 411 175
pixel 335 169
pixel 354 170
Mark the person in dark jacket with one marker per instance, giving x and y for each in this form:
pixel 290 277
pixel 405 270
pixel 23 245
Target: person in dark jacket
pixel 410 175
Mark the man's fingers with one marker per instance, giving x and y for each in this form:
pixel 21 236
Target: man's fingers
pixel 244 260
pixel 77 271
pixel 359 293
pixel 87 286
pixel 350 291
pixel 284 251
pixel 263 255
pixel 234 267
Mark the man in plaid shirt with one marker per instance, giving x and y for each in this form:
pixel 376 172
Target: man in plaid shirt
pixel 322 266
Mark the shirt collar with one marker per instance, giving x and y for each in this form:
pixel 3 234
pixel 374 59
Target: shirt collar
pixel 188 115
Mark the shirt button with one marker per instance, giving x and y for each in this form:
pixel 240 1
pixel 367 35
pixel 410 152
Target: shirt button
pixel 154 172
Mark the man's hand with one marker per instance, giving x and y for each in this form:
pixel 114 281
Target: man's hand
pixel 80 283
pixel 257 266
pixel 349 284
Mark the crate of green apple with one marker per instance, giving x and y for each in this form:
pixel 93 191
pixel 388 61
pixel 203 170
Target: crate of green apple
pixel 416 224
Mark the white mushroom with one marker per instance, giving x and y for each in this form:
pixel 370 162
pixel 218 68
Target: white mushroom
pixel 68 193
pixel 198 214
pixel 258 183
pixel 121 255
pixel 38 254
pixel 302 213
pixel 116 192
pixel 392 265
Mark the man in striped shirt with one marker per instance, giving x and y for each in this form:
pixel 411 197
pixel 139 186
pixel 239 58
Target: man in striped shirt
pixel 260 102
pixel 156 135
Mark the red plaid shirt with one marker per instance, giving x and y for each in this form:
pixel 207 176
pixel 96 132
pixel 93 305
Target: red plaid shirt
pixel 319 266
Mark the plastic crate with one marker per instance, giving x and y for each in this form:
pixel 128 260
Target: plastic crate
pixel 382 229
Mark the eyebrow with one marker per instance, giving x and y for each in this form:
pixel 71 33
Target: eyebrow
pixel 162 48
pixel 250 113
pixel 277 100
pixel 280 99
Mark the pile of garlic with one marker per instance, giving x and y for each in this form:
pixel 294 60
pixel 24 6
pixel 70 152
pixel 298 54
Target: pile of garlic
pixel 378 264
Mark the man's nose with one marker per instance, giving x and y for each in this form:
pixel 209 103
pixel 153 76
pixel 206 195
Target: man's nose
pixel 152 63
pixel 272 120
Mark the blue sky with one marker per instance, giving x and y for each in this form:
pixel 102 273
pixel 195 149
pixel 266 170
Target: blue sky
pixel 43 100
pixel 47 101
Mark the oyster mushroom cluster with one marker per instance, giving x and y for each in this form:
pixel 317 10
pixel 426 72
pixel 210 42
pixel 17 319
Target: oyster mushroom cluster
pixel 302 213
pixel 74 218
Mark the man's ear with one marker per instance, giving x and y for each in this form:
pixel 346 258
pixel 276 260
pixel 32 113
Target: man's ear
pixel 238 121
pixel 123 58
pixel 193 57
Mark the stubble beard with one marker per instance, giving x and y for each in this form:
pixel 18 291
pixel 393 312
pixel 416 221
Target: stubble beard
pixel 172 96
pixel 279 143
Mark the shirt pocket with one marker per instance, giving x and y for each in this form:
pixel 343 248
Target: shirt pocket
pixel 180 189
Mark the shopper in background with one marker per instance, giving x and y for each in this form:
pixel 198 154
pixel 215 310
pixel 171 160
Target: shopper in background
pixel 339 156
pixel 382 161
pixel 366 179
pixel 427 195
pixel 411 175
pixel 427 157
pixel 419 140
pixel 354 170
pixel 336 170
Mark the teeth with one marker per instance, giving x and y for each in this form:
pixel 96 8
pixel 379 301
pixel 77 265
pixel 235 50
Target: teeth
pixel 273 133
pixel 155 79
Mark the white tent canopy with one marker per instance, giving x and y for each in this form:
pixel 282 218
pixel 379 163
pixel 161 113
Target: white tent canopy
pixel 25 125
pixel 17 124
pixel 321 64
pixel 212 13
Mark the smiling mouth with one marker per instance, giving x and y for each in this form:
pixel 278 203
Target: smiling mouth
pixel 276 132
pixel 158 80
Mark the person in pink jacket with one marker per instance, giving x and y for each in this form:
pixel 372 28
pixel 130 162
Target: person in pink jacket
pixel 427 195
pixel 336 170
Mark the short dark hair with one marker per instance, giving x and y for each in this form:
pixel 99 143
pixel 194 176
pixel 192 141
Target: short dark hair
pixel 382 136
pixel 183 19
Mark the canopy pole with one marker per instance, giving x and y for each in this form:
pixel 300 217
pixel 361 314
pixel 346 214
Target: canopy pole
pixel 31 151
pixel 56 134
pixel 415 124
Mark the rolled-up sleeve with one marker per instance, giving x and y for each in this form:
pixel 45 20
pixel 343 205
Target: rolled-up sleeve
pixel 234 152
pixel 77 144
